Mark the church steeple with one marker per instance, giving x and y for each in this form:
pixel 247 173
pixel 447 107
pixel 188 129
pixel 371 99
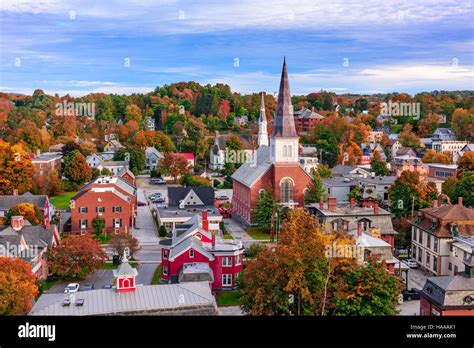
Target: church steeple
pixel 284 140
pixel 284 123
pixel 262 125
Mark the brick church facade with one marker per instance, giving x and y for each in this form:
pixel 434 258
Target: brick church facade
pixel 274 167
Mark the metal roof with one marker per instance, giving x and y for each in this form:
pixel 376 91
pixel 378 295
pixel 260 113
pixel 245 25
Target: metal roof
pixel 145 298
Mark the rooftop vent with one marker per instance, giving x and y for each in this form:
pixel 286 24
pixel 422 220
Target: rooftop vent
pixel 79 302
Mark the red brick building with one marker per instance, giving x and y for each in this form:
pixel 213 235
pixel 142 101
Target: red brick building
pixel 194 254
pixel 276 166
pixel 111 198
pixel 45 163
pixel 305 119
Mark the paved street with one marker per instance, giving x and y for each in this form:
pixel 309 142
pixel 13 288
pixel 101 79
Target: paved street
pixel 409 308
pixel 145 230
pixel 238 233
pixel 417 278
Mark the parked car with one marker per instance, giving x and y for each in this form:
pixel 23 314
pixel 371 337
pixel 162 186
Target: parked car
pixel 71 288
pixel 87 287
pixel 223 198
pixel 106 286
pixel 411 263
pixel 141 204
pixel 154 195
pixel 158 200
pixel 157 181
pixel 411 294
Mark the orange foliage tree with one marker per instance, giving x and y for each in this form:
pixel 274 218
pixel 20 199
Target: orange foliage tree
pixel 29 211
pixel 16 169
pixel 17 286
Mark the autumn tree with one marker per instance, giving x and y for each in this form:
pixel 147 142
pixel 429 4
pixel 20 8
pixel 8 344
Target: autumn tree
pixel 163 143
pixel 466 163
pixel 379 166
pixel 76 257
pixel 16 169
pixel 315 189
pixel 76 169
pixel 432 156
pixel 408 138
pixel 173 165
pixel 28 210
pixel 135 155
pixel 429 124
pixel 122 241
pixel 301 276
pixel 449 185
pixel 462 122
pixel 194 180
pixel 18 286
pixel 234 143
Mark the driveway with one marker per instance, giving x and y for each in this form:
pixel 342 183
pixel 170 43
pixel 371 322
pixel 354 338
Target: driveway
pixel 410 308
pixel 145 230
pixel 417 278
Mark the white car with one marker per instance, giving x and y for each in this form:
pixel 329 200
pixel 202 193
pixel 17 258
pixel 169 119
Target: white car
pixel 71 288
pixel 411 263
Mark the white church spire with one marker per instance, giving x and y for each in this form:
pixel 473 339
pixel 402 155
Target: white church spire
pixel 262 124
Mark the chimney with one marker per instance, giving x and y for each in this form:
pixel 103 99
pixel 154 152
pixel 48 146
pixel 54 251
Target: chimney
pixel 332 202
pixel 15 192
pixel 376 208
pixel 321 203
pixel 359 229
pixel 205 221
pixel 435 204
pixel 460 200
pixel 352 202
pixel 17 222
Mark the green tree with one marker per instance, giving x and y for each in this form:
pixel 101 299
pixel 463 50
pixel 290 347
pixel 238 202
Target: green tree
pixel 324 171
pixel 367 291
pixel 464 189
pixel 135 155
pixel 98 223
pixel 379 166
pixel 315 189
pixel 355 193
pixel 267 205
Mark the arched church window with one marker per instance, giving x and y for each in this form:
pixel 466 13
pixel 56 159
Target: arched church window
pixel 286 188
pixel 289 150
pixel 285 151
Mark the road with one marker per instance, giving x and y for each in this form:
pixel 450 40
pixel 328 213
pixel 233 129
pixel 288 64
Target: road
pixel 236 230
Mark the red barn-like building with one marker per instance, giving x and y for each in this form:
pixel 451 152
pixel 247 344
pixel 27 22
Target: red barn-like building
pixel 275 166
pixel 193 254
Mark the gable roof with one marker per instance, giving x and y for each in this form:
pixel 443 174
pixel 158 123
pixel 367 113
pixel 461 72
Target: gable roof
pixel 176 194
pixel 248 173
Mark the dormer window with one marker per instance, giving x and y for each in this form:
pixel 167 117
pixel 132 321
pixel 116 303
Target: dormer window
pixel 191 253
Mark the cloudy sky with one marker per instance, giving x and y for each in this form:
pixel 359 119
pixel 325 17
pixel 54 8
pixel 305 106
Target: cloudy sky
pixel 364 46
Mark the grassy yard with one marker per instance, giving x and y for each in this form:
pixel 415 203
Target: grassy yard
pixel 103 238
pixel 45 285
pixel 157 275
pixel 62 200
pixel 228 298
pixel 258 233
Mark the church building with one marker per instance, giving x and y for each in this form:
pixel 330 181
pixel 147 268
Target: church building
pixel 276 164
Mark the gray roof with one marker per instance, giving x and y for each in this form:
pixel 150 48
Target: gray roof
pixel 9 201
pixel 448 291
pixel 249 172
pixel 176 194
pixel 154 298
pixel 340 170
pixel 187 243
pixel 47 156
pixel 169 212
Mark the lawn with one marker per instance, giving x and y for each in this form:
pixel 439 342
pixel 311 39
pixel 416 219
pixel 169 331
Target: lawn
pixel 104 239
pixel 62 201
pixel 258 234
pixel 157 275
pixel 228 298
pixel 45 285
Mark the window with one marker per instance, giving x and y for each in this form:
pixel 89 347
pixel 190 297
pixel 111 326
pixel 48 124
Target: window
pixel 227 261
pixel 227 280
pixel 83 223
pixel 285 151
pixel 165 270
pixel 289 150
pixel 191 253
pixel 165 254
pixel 117 209
pixel 435 263
pixel 413 237
pixel 238 260
pixel 414 252
pixel 450 266
pixel 435 245
pixel 118 223
pixel 261 193
pixel 286 188
pixel 420 237
pixel 83 210
pixel 428 242
pixel 100 210
pixel 455 270
pixel 420 255
pixel 428 260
